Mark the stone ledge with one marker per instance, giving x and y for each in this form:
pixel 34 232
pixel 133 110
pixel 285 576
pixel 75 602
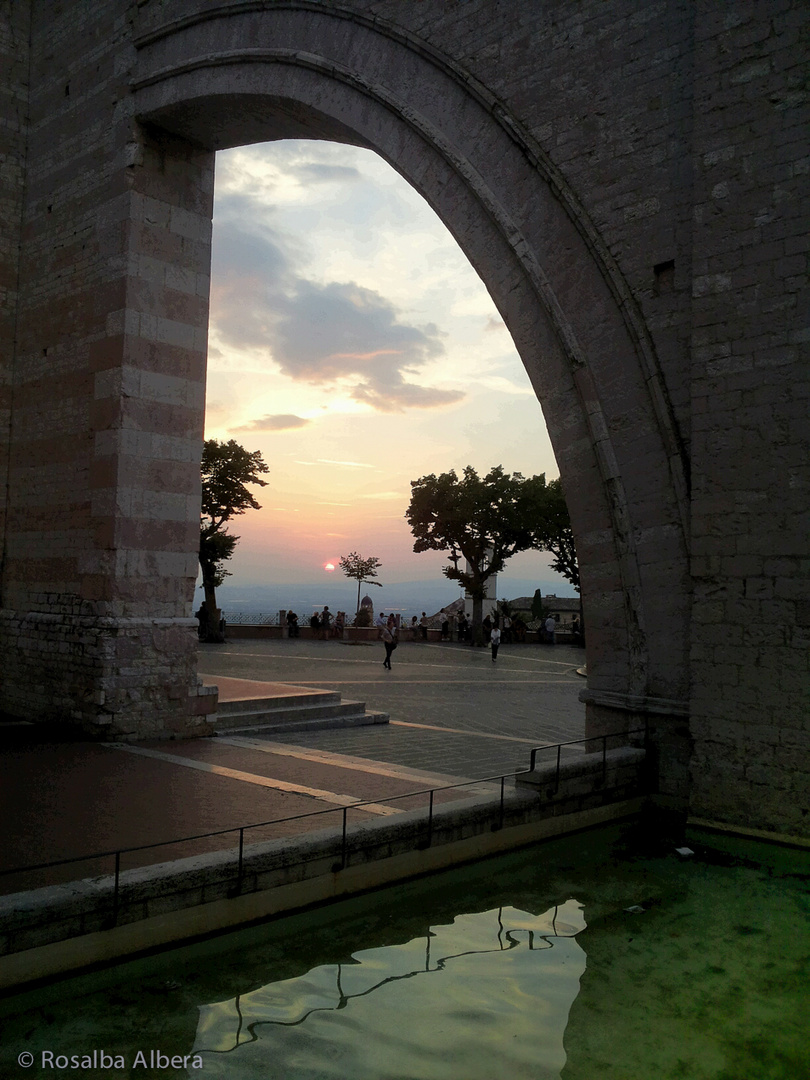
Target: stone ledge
pixel 66 927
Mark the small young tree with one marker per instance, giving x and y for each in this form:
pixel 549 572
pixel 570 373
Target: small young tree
pixel 225 469
pixel 355 566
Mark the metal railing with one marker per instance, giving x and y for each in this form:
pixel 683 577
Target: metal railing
pixel 341 861
pixel 589 739
pixel 251 618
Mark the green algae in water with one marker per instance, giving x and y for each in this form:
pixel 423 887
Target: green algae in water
pixel 526 966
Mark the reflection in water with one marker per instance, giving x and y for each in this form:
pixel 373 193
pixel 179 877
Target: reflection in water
pixel 487 995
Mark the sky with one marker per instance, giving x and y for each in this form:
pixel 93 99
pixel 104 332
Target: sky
pixel 353 344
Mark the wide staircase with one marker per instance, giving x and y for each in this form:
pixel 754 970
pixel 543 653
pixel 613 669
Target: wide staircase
pixel 247 707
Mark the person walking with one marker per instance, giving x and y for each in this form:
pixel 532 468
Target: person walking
pixel 389 636
pixel 495 641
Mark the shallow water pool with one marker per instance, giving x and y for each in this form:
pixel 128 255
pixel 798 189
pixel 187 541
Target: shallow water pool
pixel 602 955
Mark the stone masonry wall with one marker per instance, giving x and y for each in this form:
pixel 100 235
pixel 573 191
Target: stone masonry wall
pixel 104 478
pixel 14 31
pixel 750 393
pixel 651 158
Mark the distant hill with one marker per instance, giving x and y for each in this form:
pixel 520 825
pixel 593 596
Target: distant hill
pixel 405 597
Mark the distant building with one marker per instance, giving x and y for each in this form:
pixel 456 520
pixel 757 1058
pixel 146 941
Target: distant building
pixel 563 609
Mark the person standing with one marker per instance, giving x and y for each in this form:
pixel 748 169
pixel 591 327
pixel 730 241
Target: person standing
pixel 389 636
pixel 495 641
pixel 551 627
pixel 326 621
pixel 507 630
pixel 423 626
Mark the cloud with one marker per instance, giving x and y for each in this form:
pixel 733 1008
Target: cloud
pixel 319 172
pixel 346 464
pixel 315 333
pixel 275 422
pixel 493 324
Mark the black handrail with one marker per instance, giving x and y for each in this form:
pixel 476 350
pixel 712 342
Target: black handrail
pixel 241 829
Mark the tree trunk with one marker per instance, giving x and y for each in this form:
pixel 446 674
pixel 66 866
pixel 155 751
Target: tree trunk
pixel 212 615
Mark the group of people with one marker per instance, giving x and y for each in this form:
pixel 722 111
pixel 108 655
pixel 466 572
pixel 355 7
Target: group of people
pixel 501 631
pixel 323 624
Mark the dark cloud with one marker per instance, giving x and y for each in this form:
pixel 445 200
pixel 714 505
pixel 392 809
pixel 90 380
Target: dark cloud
pixel 404 395
pixel 315 333
pixel 275 422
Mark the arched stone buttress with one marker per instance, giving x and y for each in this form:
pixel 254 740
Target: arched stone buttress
pixel 244 73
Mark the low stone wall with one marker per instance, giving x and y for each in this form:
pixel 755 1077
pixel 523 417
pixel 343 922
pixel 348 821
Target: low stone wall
pixel 66 927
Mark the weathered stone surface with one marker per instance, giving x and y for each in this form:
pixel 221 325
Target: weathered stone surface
pixel 635 202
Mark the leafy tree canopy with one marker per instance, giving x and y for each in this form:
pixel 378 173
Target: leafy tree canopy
pixel 225 471
pixel 486 520
pixel 553 533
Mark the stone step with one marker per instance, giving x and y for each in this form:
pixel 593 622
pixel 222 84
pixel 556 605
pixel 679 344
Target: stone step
pixel 287 720
pixel 249 715
pixel 309 699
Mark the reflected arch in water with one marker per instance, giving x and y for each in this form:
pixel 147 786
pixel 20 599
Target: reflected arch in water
pixel 494 986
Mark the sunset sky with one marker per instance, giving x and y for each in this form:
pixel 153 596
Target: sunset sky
pixel 354 345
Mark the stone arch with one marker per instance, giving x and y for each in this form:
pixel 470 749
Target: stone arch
pixel 245 73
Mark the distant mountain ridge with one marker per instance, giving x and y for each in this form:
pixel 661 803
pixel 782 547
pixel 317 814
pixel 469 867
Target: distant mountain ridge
pixel 405 597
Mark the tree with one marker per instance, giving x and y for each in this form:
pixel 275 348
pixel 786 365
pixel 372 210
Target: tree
pixel 225 470
pixel 486 520
pixel 355 566
pixel 553 533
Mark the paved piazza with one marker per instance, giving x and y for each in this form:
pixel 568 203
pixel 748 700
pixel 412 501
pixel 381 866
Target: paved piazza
pixel 455 716
pixel 478 718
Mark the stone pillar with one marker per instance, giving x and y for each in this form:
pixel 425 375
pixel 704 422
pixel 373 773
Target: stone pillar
pixel 96 626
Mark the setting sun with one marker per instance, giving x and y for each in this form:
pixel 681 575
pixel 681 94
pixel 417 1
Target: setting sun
pixel 329 566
